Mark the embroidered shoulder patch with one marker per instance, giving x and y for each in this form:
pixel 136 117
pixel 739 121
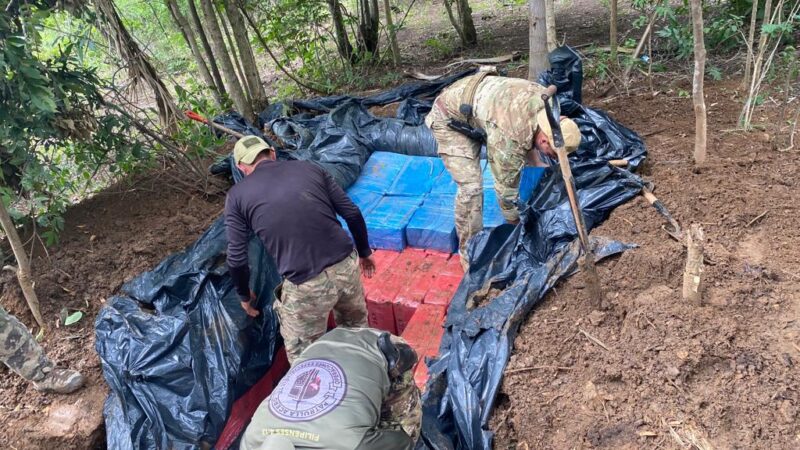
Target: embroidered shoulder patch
pixel 310 390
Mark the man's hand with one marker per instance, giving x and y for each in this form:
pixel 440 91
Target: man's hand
pixel 367 266
pixel 247 305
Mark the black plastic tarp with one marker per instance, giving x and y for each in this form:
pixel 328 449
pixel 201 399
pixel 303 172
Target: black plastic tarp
pixel 340 133
pixel 602 137
pixel 524 262
pixel 177 349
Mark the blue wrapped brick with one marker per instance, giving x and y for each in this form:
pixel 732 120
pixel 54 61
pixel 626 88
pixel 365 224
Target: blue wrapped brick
pixel 444 184
pixel 388 220
pixel 416 177
pixel 380 172
pixel 433 225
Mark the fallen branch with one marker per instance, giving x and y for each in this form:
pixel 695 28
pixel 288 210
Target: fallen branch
pixel 529 368
pixel 639 47
pixel 756 219
pixel 594 339
pixel 422 76
pixel 513 56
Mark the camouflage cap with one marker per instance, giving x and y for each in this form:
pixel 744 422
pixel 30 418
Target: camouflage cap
pixel 247 148
pixel 569 129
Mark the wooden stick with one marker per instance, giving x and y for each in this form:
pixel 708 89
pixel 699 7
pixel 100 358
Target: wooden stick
pixel 639 47
pixel 756 219
pixel 588 267
pixel 693 274
pixel 529 368
pixel 619 162
pixel 594 339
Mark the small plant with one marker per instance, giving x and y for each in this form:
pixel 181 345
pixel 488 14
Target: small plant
pixel 440 48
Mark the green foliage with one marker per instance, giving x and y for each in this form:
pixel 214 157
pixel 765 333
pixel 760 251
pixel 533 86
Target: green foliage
pixel 440 47
pixel 296 27
pixel 56 140
pixel 196 139
pixel 714 72
pixel 598 67
pixel 723 31
pixel 73 318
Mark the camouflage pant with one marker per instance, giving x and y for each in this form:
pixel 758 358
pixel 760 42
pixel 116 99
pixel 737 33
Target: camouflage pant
pixel 402 408
pixel 19 350
pixel 460 156
pixel 466 173
pixel 303 308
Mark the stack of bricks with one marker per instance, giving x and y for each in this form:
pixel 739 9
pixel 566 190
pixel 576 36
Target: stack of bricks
pixel 408 296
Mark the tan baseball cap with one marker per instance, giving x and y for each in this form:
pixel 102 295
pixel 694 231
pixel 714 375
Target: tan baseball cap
pixel 247 148
pixel 569 129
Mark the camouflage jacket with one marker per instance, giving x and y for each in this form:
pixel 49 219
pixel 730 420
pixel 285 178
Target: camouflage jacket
pixel 508 105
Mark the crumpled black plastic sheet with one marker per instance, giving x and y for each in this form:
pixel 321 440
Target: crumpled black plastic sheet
pixel 177 349
pixel 602 137
pixel 525 261
pixel 340 133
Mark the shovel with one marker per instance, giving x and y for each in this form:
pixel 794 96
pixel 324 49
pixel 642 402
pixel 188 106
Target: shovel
pixel 587 266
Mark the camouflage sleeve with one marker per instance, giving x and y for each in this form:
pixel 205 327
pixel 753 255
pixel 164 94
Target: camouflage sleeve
pixel 385 439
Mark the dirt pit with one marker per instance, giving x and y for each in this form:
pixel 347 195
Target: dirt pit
pixel 673 375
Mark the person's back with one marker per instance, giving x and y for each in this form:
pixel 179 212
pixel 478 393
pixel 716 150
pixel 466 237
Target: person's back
pixel 292 206
pixel 508 104
pixel 331 398
pixel 289 207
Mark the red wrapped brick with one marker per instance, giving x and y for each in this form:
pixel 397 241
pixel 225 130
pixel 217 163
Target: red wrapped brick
pixel 424 333
pixel 442 289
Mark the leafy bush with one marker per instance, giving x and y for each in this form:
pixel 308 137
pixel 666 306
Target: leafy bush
pixel 57 141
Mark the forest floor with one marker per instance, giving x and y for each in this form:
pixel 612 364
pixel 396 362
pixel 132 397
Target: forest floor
pixel 719 376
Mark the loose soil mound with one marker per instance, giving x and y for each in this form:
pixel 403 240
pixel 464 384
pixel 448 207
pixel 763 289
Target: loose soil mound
pixel 719 376
pixel 108 240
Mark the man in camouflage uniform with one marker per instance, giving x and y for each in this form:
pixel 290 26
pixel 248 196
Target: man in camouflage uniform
pixel 292 207
pixel 511 112
pixel 20 352
pixel 352 389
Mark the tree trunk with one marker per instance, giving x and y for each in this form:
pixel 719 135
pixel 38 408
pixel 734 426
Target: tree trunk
pixel 750 51
pixel 259 95
pixel 462 21
pixel 537 37
pixel 612 31
pixel 221 54
pixel 191 41
pixel 697 87
pixel 139 67
pixel 392 36
pixel 465 14
pixel 550 18
pixel 23 268
pixel 342 40
pixel 368 27
pixel 212 62
pixel 234 53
